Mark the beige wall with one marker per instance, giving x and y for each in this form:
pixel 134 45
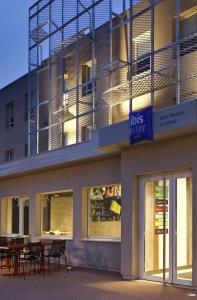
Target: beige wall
pixel 81 252
pixel 173 155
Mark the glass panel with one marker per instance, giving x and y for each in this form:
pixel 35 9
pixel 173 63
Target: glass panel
pixel 26 217
pixel 10 216
pixel 184 228
pixel 15 215
pixel 105 212
pixel 156 229
pixel 57 213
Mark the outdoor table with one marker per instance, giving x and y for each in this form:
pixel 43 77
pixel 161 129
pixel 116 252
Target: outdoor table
pixel 16 250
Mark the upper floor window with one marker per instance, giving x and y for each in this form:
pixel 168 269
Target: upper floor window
pixel 9 155
pixel 87 78
pixel 25 150
pixel 10 115
pixel 188 31
pixel 66 79
pixel 142 46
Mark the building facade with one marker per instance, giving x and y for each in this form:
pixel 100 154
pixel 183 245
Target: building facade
pixel 127 208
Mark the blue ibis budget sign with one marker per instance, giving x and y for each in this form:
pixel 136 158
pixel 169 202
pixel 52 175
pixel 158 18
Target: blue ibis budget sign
pixel 141 125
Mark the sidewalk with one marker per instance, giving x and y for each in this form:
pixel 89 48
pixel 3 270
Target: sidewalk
pixel 81 284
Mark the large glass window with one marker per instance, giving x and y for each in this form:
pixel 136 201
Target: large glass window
pixel 188 29
pixel 142 44
pixel 15 216
pixel 104 204
pixel 57 213
pixel 184 228
pixel 86 79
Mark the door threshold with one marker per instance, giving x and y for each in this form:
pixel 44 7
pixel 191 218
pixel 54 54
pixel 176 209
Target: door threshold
pixel 173 284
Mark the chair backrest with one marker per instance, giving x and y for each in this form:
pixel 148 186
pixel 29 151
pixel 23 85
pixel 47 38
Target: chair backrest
pixel 17 241
pixel 58 247
pixel 3 241
pixel 34 249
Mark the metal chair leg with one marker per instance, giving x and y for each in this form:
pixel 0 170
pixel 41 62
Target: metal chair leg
pixel 66 262
pixel 49 266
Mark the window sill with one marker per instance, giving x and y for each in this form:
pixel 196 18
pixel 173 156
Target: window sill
pixel 54 237
pixel 101 240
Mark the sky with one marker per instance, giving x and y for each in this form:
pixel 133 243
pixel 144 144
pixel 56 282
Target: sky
pixel 14 39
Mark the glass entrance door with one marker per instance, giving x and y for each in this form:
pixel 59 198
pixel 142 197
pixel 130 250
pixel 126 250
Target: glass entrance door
pixel 183 230
pixel 166 229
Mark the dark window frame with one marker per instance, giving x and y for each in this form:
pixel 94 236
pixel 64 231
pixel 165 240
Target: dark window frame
pixel 10 114
pixel 86 80
pixel 9 155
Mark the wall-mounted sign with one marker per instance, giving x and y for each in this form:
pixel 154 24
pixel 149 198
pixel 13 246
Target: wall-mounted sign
pixel 161 231
pixel 141 125
pixel 161 209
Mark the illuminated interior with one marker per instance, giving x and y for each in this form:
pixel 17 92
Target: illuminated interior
pixel 157 228
pixel 57 213
pixel 104 212
pixel 69 127
pixel 184 228
pixel 15 216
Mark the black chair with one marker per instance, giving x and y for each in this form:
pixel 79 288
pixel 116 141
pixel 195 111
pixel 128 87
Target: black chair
pixel 57 250
pixel 31 255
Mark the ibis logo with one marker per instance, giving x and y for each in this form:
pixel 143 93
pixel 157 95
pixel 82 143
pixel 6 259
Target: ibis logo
pixel 141 127
pixel 137 120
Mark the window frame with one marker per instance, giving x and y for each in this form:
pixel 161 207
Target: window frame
pixel 9 155
pixel 48 236
pixel 189 38
pixel 99 238
pixel 87 84
pixel 21 202
pixel 143 60
pixel 10 120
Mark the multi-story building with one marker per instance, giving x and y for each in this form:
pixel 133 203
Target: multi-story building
pixel 122 207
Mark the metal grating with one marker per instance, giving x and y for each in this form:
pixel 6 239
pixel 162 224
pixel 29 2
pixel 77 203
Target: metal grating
pixel 91 60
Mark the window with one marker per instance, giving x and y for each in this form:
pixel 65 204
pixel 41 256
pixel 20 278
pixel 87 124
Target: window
pixel 188 30
pixel 64 139
pixel 10 115
pixel 15 215
pixel 9 155
pixel 142 44
pixel 87 79
pixel 57 213
pixel 26 106
pixel 86 133
pixel 66 81
pixel 104 220
pixel 26 150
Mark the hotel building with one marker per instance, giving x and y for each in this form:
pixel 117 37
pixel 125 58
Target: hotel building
pixel 68 169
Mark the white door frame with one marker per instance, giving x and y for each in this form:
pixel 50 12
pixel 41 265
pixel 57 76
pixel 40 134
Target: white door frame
pixel 172 232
